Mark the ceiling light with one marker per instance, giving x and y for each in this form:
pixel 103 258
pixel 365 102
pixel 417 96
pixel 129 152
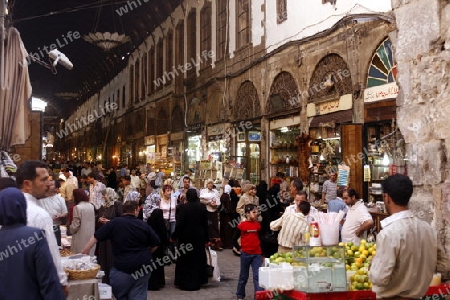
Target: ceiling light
pixel 66 96
pixel 106 40
pixel 284 129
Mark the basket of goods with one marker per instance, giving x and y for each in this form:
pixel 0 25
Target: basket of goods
pixel 77 270
pixel 65 252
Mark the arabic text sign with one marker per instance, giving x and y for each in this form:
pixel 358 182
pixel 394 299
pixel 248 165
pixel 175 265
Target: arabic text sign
pixel 382 92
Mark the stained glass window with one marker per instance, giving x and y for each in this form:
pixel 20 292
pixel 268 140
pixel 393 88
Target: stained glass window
pixel 383 68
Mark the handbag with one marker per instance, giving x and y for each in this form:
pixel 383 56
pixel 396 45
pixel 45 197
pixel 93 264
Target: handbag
pixel 209 269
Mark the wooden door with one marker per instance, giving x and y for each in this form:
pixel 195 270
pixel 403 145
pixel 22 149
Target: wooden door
pixel 352 155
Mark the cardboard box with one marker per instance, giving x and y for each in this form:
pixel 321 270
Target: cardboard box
pixel 105 291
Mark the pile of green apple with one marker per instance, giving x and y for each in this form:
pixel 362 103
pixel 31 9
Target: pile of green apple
pixel 281 257
pixel 290 257
pixel 358 259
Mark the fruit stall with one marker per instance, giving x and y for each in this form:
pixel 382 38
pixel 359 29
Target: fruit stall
pixel 325 272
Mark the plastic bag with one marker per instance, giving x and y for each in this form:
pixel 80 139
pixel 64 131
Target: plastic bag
pixel 212 261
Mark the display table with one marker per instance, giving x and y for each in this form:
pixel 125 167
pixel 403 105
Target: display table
pixel 83 289
pixel 434 292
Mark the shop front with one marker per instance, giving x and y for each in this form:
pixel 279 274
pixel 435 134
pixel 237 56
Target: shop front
pixel 175 152
pixel 150 150
pixel 332 143
pixel 284 147
pixel 246 164
pixel 383 142
pixel 218 147
pixel 193 151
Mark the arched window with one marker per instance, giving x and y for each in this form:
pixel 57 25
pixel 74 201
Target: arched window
pixel 205 34
pixel 383 68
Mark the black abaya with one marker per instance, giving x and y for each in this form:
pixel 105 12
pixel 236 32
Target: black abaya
pixel 191 230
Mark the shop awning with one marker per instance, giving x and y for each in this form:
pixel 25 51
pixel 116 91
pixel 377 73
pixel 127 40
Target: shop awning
pixel 338 117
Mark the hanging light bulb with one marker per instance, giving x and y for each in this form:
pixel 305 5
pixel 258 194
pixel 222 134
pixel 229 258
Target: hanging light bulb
pixel 385 159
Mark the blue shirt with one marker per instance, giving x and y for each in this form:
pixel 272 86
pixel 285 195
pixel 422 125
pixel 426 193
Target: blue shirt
pixel 336 205
pixel 131 240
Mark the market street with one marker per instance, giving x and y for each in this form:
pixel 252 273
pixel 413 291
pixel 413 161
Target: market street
pixel 224 290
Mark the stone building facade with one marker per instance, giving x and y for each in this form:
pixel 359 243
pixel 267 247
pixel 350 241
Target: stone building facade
pixel 423 57
pixel 261 69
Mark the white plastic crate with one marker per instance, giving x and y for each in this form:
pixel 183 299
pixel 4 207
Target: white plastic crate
pixel 277 278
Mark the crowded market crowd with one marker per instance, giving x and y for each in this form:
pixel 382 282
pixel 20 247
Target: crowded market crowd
pixel 118 214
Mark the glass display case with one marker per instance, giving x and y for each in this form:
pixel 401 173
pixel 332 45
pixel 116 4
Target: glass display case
pixel 319 269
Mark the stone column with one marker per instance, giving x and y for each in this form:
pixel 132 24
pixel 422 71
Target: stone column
pixel 423 58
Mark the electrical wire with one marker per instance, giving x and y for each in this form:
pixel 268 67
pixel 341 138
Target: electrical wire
pixel 70 10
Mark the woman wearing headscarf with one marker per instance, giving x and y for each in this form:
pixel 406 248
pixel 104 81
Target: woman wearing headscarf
pixel 110 209
pixel 248 197
pixel 27 272
pixel 211 198
pixel 83 223
pixel 191 230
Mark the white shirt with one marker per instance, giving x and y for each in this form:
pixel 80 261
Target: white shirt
pixel 407 254
pixel 207 196
pixel 135 180
pixel 356 216
pixel 73 180
pixel 38 217
pixel 169 207
pixel 55 205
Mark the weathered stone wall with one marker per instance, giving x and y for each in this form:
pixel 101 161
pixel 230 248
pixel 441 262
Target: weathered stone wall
pixel 423 58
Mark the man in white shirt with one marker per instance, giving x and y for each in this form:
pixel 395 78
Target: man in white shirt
pixel 135 179
pixel 70 179
pixel 32 178
pixel 55 205
pixel 358 218
pixel 408 252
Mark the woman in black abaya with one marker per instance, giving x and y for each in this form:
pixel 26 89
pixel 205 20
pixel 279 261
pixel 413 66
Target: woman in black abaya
pixel 156 222
pixel 191 232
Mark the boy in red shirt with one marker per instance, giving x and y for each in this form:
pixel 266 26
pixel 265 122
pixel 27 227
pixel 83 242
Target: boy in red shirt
pixel 250 250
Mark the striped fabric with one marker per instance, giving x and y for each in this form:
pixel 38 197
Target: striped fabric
pixel 291 226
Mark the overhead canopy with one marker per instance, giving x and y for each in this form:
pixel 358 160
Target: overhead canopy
pixel 338 117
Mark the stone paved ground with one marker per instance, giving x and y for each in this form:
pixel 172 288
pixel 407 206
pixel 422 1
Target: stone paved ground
pixel 224 290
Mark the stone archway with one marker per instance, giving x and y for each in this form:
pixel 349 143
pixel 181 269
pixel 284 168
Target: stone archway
pixel 330 79
pixel 177 119
pixel 283 94
pixel 162 122
pixel 246 105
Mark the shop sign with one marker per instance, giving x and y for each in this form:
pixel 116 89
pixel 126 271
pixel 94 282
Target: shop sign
pixel 176 136
pixel 345 102
pixel 163 139
pixel 218 129
pixel 215 137
pixel 149 140
pixel 194 128
pixel 381 92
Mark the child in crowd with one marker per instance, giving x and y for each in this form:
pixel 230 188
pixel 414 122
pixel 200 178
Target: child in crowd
pixel 250 250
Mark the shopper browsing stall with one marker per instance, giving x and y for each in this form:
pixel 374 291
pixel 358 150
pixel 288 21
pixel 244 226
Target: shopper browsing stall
pixel 292 226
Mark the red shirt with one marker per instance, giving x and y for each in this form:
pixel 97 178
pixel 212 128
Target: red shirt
pixel 249 237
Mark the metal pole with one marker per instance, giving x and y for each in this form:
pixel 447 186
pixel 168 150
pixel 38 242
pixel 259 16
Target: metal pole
pixel 2 44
